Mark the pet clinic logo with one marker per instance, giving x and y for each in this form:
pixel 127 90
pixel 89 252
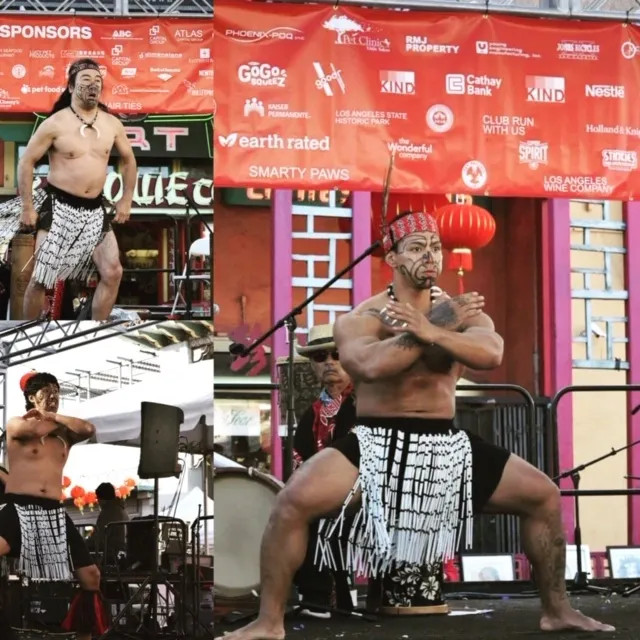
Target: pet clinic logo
pixel 325 81
pixel 401 83
pixel 350 32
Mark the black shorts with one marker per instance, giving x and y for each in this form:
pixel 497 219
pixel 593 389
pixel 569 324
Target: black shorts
pixel 10 527
pixel 45 214
pixel 488 460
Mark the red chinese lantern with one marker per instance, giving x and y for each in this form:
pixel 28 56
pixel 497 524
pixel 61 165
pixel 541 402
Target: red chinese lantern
pixel 79 502
pixel 463 228
pixel 77 492
pixel 91 499
pixel 124 491
pixel 66 482
pixel 130 482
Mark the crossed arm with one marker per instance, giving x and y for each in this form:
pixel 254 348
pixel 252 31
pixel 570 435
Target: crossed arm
pixel 35 424
pixel 368 358
pixel 477 347
pixel 365 356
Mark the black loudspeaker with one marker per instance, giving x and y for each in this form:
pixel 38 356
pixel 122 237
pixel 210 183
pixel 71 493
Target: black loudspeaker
pixel 159 440
pixel 140 544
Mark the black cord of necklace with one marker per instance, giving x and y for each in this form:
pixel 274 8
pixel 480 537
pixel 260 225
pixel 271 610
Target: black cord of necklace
pixel 77 115
pixel 392 294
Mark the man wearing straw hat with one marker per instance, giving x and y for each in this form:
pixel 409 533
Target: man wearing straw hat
pixel 417 480
pixel 329 418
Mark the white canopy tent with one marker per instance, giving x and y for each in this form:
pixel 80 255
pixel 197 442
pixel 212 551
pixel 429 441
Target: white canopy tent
pixel 117 418
pixel 116 415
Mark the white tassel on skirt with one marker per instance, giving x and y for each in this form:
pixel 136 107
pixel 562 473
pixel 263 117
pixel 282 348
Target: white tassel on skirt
pixel 433 489
pixel 66 253
pixel 44 552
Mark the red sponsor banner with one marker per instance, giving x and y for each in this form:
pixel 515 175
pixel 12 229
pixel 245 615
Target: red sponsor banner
pixel 319 97
pixel 149 66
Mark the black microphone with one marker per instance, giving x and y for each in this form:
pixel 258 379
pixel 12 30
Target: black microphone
pixel 237 349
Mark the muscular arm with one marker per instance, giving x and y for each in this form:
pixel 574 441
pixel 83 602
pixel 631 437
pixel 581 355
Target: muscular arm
pixel 129 166
pixel 365 356
pixel 77 430
pixel 24 429
pixel 38 145
pixel 477 347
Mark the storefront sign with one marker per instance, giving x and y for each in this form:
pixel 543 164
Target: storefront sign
pixel 180 138
pixel 257 197
pixel 236 419
pixel 156 194
pixel 149 65
pixel 316 96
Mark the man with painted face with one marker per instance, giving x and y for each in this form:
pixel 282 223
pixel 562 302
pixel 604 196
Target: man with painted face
pixel 68 215
pixel 414 478
pixel 35 529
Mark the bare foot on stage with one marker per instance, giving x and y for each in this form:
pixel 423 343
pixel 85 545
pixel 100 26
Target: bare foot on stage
pixel 257 630
pixel 572 619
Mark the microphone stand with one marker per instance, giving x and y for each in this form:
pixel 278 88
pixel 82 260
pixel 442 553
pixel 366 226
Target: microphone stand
pixel 187 274
pixel 581 582
pixel 289 321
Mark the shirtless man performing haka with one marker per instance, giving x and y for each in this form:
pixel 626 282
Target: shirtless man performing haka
pixel 34 527
pixel 405 354
pixel 69 215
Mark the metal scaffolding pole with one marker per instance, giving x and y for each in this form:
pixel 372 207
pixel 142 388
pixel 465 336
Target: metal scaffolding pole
pixel 111 8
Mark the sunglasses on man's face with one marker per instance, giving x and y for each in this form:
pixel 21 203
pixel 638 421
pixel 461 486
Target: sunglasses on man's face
pixel 321 356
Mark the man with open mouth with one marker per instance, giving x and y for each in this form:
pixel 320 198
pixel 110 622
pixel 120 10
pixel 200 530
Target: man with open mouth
pixel 68 215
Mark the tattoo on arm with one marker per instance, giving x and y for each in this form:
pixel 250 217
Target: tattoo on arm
pixel 406 341
pixel 443 315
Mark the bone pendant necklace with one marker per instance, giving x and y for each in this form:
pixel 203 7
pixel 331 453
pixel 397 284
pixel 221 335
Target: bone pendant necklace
pixel 86 125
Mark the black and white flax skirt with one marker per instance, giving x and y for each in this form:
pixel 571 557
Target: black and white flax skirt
pixel 415 483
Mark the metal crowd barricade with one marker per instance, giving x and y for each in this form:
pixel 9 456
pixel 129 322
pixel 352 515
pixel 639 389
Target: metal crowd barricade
pixel 552 440
pixel 502 532
pixel 196 550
